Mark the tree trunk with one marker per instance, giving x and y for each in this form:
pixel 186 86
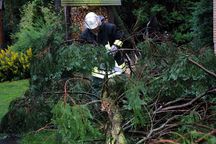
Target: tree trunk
pixel 11 15
pixel 1 30
pixel 57 5
pixel 214 25
pixel 67 22
pixel 115 133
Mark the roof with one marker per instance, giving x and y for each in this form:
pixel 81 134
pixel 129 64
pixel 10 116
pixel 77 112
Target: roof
pixel 90 2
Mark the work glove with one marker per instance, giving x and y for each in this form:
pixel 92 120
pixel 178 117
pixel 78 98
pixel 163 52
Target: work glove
pixel 113 49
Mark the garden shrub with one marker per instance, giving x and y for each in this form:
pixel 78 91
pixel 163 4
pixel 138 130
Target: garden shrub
pixel 39 25
pixel 42 30
pixel 14 65
pixel 173 17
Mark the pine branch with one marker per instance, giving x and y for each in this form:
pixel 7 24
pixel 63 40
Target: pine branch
pixel 203 68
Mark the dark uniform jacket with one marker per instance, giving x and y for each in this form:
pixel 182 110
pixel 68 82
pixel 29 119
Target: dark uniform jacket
pixel 107 33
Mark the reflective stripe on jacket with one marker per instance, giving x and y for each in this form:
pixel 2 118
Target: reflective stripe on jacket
pixel 117 70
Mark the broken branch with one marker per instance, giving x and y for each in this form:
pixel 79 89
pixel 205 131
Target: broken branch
pixel 203 68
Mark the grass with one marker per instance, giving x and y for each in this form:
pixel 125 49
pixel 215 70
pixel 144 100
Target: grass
pixel 10 91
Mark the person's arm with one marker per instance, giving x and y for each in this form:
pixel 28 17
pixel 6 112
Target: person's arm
pixel 117 36
pixel 87 37
pixel 83 36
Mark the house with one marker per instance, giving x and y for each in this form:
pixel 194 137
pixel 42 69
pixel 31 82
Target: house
pixel 75 11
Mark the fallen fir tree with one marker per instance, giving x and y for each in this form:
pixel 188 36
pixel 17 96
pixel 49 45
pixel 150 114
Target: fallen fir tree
pixel 166 94
pixel 168 98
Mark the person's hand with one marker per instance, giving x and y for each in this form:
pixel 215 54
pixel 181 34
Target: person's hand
pixel 113 49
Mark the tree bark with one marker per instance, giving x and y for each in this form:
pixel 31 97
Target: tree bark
pixel 67 22
pixel 115 133
pixel 1 30
pixel 57 5
pixel 214 25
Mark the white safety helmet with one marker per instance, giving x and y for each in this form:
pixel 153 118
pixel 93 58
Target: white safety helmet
pixel 92 20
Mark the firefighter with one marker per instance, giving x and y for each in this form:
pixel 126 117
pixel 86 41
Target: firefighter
pixel 97 31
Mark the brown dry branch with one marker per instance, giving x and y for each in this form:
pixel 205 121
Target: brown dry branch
pixel 177 110
pixel 213 132
pixel 167 141
pixel 43 128
pixel 162 109
pixel 153 130
pixel 209 116
pixel 174 101
pixel 166 130
pixel 203 126
pixel 66 94
pixel 124 126
pixel 92 102
pixel 203 68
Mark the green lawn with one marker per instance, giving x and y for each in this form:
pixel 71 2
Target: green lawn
pixel 10 91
